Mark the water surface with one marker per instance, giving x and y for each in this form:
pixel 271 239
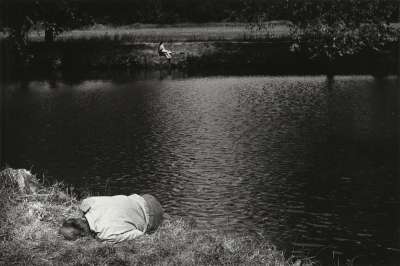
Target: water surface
pixel 309 162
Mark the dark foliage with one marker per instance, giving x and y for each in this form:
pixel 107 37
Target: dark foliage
pixel 331 29
pixel 303 12
pixel 121 12
pixel 58 15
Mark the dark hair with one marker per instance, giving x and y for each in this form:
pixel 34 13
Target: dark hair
pixel 80 228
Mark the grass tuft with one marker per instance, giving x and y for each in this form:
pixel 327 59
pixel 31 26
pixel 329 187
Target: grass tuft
pixel 29 236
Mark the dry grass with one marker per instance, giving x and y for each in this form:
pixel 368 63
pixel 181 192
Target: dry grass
pixel 170 33
pixel 29 236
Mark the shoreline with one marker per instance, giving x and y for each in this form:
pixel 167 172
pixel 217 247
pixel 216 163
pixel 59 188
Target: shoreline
pixel 29 235
pixel 193 58
pixel 214 48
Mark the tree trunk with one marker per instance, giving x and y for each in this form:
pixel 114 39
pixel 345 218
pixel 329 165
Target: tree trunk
pixel 49 34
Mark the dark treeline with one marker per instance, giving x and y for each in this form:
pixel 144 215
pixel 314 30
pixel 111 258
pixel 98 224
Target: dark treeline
pixel 164 11
pixel 129 12
pixel 119 12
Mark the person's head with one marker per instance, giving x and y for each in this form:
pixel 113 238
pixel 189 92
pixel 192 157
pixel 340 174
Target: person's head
pixel 161 43
pixel 72 228
pixel 156 213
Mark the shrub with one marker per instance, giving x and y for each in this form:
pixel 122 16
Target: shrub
pixel 327 41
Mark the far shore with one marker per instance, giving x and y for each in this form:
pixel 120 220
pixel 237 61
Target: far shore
pixel 212 48
pixel 29 223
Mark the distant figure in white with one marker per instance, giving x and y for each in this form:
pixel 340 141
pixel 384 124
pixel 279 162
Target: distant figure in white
pixel 162 51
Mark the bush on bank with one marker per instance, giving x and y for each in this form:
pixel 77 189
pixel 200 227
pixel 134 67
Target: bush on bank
pixel 30 215
pixel 332 41
pixel 332 29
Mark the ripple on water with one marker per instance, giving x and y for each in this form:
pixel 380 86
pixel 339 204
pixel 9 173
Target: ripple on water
pixel 308 161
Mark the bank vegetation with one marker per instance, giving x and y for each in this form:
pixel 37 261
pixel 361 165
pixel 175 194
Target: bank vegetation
pixel 31 214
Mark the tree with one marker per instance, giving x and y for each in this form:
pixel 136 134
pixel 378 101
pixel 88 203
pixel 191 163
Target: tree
pixel 346 28
pixel 330 29
pixel 20 17
pixel 55 17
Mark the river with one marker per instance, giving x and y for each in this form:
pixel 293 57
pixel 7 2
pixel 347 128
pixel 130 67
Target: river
pixel 310 162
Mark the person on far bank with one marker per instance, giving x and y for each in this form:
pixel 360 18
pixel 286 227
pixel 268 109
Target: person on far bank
pixel 162 51
pixel 115 218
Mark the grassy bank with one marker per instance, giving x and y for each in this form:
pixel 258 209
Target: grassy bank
pixel 29 225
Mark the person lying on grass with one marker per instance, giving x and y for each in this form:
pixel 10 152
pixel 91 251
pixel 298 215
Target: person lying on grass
pixel 115 218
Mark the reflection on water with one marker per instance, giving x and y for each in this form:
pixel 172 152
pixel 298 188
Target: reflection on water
pixel 308 161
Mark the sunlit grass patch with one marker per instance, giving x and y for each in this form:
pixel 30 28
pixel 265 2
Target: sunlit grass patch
pixel 170 33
